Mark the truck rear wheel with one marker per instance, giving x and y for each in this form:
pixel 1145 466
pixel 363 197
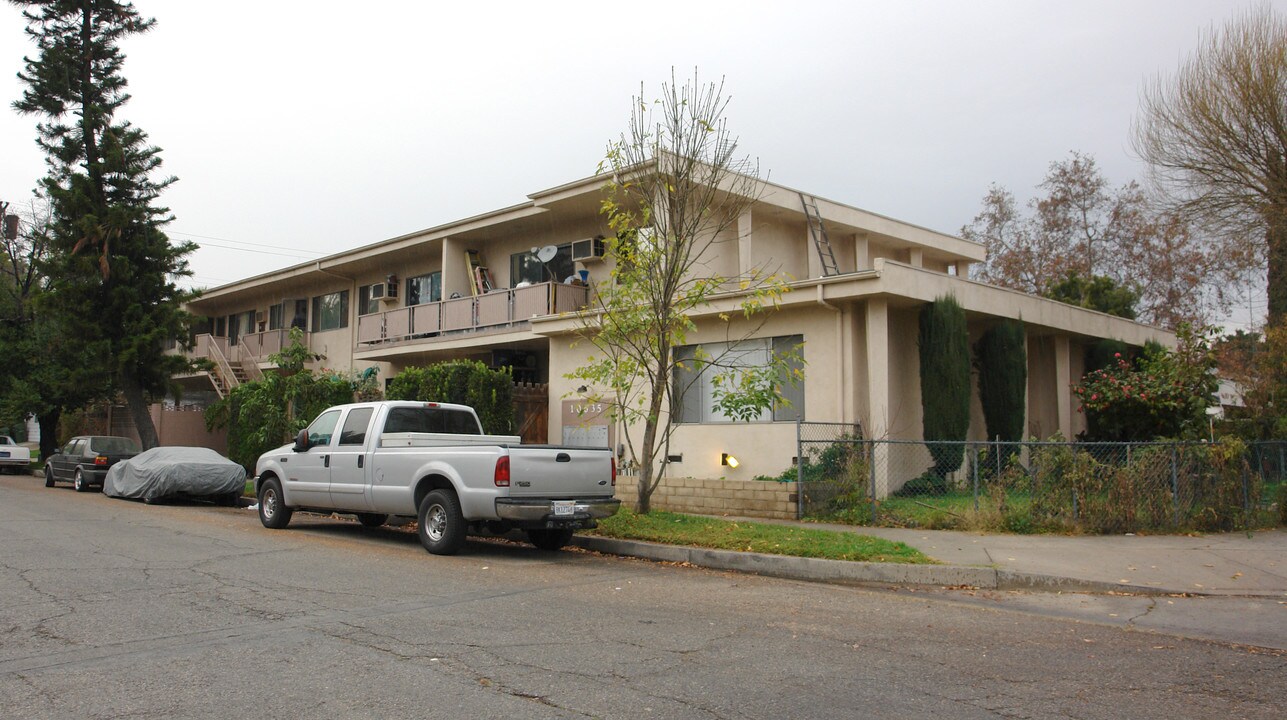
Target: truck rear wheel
pixel 550 539
pixel 442 526
pixel 273 512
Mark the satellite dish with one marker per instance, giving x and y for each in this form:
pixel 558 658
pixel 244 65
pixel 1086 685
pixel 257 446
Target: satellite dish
pixel 546 253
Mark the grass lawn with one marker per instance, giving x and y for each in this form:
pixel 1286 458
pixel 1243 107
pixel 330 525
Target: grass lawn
pixel 676 529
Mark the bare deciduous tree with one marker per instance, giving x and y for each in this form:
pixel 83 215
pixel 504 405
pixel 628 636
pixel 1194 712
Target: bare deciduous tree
pixel 1081 227
pixel 1215 137
pixel 676 191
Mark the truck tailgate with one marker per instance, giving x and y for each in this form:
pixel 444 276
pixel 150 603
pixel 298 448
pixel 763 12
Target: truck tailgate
pixel 565 472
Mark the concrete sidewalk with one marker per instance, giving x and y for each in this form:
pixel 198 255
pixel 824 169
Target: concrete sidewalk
pixel 1232 564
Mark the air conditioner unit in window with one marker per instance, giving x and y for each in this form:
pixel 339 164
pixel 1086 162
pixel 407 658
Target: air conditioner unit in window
pixel 377 291
pixel 589 250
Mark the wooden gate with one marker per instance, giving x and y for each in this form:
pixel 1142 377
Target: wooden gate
pixel 532 412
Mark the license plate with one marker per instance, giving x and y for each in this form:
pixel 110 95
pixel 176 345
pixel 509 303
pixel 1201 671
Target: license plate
pixel 564 507
pixel 4 453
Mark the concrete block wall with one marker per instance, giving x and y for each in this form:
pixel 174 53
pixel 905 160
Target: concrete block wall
pixel 746 498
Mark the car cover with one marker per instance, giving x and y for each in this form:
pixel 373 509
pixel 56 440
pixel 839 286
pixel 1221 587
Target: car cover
pixel 166 471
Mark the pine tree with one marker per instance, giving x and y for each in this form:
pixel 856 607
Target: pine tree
pixel 112 267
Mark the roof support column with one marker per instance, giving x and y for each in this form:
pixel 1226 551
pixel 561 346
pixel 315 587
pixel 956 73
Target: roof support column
pixel 877 327
pixel 1063 385
pixel 862 253
pixel 744 264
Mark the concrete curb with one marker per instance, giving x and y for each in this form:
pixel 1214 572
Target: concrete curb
pixel 854 573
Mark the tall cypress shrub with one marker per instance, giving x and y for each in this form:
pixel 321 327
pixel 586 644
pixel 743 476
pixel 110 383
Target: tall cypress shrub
pixel 945 382
pixel 1001 358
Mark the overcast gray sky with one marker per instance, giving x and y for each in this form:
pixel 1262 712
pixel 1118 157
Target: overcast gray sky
pixel 310 128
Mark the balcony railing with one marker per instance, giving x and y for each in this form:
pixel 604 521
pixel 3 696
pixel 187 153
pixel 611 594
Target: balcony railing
pixel 496 309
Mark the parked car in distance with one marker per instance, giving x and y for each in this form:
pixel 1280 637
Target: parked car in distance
pixel 13 457
pixel 176 471
pixel 85 459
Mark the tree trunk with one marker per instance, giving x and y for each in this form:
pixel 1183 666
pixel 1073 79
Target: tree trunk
pixel 140 412
pixel 1276 238
pixel 49 433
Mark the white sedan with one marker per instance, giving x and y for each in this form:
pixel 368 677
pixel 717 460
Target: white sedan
pixel 13 457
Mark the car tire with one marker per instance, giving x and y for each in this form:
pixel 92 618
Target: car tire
pixel 49 476
pixel 372 519
pixel 442 525
pixel 273 512
pixel 78 481
pixel 549 539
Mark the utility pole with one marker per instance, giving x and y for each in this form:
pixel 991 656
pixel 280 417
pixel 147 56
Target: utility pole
pixel 10 222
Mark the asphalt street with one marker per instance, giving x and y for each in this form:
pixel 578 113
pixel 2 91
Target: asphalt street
pixel 115 609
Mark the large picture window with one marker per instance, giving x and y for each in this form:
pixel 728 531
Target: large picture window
pixel 525 267
pixel 331 312
pixel 694 385
pixel 424 289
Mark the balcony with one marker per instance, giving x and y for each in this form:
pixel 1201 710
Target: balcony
pixel 497 310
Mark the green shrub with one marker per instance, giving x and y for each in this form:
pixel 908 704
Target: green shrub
pixel 464 382
pixel 263 414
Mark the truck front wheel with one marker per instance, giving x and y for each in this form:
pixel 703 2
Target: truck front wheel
pixel 550 539
pixel 273 512
pixel 442 526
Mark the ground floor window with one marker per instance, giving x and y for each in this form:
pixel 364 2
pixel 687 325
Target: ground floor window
pixel 695 385
pixel 331 312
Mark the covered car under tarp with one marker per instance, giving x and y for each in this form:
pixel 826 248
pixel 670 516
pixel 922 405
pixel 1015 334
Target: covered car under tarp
pixel 175 471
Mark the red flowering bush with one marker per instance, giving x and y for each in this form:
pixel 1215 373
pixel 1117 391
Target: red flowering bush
pixel 1163 394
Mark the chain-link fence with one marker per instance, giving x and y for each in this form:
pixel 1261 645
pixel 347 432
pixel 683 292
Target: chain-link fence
pixel 1038 486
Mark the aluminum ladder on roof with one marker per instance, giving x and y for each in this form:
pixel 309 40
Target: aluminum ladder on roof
pixel 818 232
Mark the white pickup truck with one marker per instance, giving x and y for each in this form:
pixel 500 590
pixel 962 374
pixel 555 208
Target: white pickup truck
pixel 432 461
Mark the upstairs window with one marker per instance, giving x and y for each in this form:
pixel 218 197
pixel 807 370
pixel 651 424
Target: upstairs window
pixel 366 303
pixel 424 289
pixel 331 312
pixel 525 267
pixel 277 316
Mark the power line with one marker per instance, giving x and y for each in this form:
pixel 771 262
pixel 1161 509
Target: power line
pixel 249 250
pixel 241 242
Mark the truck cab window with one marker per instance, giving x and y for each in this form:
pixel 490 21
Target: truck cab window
pixel 319 433
pixel 354 432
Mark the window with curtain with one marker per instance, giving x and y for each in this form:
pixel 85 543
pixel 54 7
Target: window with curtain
pixel 276 316
pixel 693 386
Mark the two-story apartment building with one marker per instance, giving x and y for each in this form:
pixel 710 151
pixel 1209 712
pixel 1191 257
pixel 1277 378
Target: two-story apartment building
pixel 422 298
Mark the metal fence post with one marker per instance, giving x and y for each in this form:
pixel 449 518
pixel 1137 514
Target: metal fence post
pixel 1246 498
pixel 975 467
pixel 799 472
pixel 1280 461
pixel 871 471
pixel 1175 486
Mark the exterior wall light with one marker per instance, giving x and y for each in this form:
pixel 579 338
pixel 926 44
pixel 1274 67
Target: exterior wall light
pixel 729 460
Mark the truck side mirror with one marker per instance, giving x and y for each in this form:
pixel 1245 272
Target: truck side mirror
pixel 301 441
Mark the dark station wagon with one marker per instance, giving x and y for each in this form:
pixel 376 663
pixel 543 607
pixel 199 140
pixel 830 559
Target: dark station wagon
pixel 84 460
